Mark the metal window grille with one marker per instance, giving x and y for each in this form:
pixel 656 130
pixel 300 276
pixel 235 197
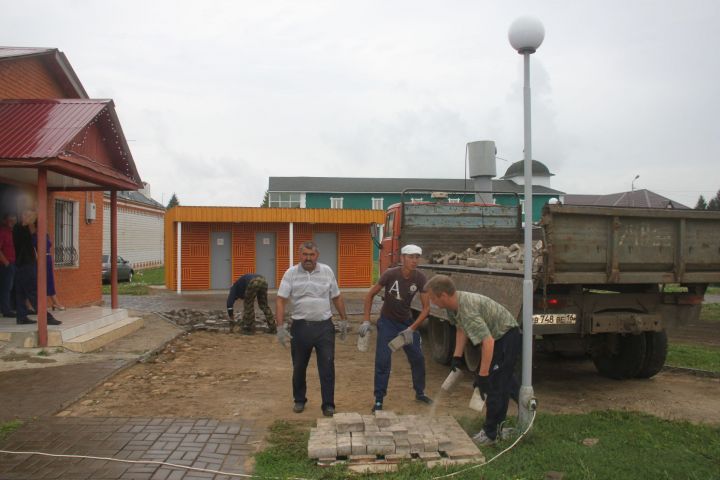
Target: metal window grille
pixel 65 251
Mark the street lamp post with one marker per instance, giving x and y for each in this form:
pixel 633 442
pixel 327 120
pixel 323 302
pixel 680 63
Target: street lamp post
pixel 632 184
pixel 526 34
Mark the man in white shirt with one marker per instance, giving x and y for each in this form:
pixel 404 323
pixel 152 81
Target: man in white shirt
pixel 309 286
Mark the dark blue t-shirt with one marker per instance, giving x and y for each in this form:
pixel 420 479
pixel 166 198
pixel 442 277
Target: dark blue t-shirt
pixel 239 287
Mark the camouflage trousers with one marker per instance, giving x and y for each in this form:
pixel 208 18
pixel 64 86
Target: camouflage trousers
pixel 257 289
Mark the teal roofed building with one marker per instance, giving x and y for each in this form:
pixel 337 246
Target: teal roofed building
pixel 380 193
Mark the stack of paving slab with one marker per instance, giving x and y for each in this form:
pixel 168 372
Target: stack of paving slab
pixel 378 443
pixel 497 257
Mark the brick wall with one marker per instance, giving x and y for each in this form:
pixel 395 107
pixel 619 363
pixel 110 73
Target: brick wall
pixel 27 78
pixel 81 284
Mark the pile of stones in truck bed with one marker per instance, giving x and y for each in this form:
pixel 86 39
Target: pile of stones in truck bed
pixel 497 257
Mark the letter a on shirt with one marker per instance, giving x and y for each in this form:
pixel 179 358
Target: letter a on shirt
pixel 396 290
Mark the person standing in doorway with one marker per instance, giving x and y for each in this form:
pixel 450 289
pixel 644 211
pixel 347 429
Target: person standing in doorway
pixel 485 322
pixel 309 287
pixel 7 264
pixel 26 275
pixel 50 268
pixel 249 287
pixel 401 284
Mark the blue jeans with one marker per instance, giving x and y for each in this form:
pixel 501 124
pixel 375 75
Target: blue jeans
pixel 7 279
pixel 387 329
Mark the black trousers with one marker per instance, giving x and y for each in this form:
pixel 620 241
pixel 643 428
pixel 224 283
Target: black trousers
pixel 25 289
pixel 503 384
pixel 320 336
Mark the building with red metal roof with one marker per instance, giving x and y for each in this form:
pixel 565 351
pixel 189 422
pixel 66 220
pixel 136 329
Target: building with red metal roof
pixel 59 150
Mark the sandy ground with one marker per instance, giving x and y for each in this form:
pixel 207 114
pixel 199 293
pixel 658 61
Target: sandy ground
pixel 224 376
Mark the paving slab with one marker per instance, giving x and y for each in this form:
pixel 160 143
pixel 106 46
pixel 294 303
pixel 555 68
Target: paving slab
pixel 152 439
pixel 35 392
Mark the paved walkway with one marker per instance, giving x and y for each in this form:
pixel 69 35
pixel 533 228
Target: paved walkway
pixel 34 395
pixel 200 443
pixel 38 392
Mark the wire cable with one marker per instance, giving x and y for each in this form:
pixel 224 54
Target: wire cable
pixel 532 420
pixel 245 475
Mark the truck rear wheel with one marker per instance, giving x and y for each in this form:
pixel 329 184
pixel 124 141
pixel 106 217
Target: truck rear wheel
pixel 655 353
pixel 442 340
pixel 622 356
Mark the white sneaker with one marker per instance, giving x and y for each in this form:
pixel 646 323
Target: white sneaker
pixel 481 438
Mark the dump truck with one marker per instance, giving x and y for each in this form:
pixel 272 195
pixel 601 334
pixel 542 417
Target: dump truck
pixel 608 282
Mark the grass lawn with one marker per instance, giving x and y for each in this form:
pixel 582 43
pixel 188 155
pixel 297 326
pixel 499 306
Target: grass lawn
pixel 693 356
pixel 141 280
pixel 710 312
pixel 8 427
pixel 713 290
pixel 630 445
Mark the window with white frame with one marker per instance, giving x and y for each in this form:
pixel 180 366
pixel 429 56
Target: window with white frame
pixel 284 200
pixel 336 202
pixel 66 233
pixel 453 200
pixel 377 203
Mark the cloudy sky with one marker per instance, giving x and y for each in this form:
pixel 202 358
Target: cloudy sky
pixel 217 96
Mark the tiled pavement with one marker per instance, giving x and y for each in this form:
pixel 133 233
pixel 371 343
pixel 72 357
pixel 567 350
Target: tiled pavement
pixel 201 443
pixel 43 391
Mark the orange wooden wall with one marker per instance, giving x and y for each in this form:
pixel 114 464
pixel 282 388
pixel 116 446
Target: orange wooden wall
pixel 354 251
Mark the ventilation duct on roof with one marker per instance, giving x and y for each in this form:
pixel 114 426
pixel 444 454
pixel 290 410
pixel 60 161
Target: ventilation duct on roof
pixel 481 166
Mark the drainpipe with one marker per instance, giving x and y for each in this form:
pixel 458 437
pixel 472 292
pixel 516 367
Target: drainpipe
pixel 113 250
pixel 291 249
pixel 179 258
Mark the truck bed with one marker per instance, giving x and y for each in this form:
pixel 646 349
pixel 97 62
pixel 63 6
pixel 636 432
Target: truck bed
pixel 615 245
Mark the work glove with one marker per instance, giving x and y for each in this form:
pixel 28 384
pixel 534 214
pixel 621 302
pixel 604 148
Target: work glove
pixel 283 335
pixel 231 313
pixel 343 325
pixel 364 328
pixel 407 335
pixel 456 363
pixel 482 383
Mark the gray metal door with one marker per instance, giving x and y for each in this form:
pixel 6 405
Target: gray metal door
pixel 220 260
pixel 327 244
pixel 265 257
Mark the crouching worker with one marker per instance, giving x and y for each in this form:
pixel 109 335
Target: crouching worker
pixel 248 288
pixel 485 322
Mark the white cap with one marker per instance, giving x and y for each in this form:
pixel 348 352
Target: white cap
pixel 411 250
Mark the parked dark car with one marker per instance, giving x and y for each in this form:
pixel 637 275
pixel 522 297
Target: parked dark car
pixel 124 270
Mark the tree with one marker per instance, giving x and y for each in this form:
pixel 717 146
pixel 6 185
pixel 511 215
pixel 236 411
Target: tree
pixel 714 203
pixel 266 200
pixel 701 204
pixel 174 202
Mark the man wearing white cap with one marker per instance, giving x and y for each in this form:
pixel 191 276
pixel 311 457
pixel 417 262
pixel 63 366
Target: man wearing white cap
pixel 400 284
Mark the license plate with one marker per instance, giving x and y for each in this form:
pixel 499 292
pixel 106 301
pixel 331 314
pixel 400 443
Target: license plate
pixel 555 319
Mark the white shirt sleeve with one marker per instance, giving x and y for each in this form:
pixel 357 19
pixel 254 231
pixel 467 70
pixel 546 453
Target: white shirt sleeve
pixel 334 290
pixel 285 284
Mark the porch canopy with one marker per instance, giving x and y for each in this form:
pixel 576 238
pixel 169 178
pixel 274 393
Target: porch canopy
pixel 65 145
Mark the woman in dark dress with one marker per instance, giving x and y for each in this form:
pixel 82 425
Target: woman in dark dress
pixel 51 293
